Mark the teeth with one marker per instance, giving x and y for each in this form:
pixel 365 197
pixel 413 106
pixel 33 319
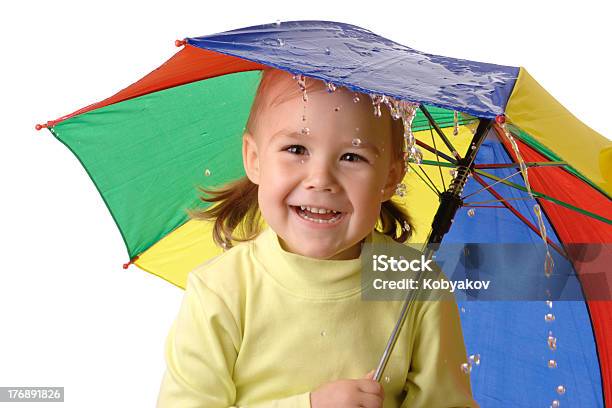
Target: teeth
pixel 315 210
pixel 321 221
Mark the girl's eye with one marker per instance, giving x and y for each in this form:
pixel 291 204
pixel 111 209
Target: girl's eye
pixel 353 157
pixel 295 149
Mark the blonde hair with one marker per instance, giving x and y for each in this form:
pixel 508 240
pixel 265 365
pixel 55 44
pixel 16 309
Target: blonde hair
pixel 237 204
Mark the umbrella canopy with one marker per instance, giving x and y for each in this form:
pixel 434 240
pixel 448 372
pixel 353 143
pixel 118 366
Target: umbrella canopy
pixel 149 146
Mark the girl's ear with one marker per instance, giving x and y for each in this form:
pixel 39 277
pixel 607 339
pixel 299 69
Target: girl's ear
pixel 250 157
pixel 397 171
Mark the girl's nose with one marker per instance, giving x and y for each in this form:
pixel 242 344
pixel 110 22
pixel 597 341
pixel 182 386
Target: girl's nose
pixel 320 178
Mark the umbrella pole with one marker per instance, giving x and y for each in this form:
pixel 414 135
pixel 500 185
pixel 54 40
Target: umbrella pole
pixel 450 202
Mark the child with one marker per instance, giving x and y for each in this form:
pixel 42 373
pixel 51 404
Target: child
pixel 278 320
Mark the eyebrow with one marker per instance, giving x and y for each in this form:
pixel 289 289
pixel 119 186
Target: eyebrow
pixel 296 135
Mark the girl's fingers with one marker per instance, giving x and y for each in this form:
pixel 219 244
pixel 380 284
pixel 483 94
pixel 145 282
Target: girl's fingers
pixel 370 401
pixel 369 386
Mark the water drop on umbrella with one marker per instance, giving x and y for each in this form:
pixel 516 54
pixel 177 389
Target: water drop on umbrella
pixel 466 368
pixel 356 98
pixel 471 212
pixel 207 172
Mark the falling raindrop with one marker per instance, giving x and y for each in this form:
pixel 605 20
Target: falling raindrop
pixel 453 173
pixel 356 142
pixel 555 404
pixel 466 368
pixel 207 172
pixel 327 50
pixel 416 154
pixel 278 22
pixel 305 131
pixel 462 309
pixel 471 212
pixel 552 343
pixel 456 123
pixel 549 317
pixel 387 379
pixel 400 189
pixel 475 358
pixel 406 226
pixel 356 97
pixel 330 87
pixel 281 42
pixel 377 100
pixel 549 304
pixel 323 333
pixel 552 364
pixel 560 389
pixel 301 81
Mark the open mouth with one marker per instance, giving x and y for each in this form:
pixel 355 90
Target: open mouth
pixel 317 215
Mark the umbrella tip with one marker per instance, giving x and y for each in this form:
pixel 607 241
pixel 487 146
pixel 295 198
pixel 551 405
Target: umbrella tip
pixel 40 126
pixel 180 43
pixel 127 265
pixel 500 119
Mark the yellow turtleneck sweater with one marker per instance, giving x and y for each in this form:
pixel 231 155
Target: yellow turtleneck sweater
pixel 260 327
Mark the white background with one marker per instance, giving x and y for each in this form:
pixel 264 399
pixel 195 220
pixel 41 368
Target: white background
pixel 69 314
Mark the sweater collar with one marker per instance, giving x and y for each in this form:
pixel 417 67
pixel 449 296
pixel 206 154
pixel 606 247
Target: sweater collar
pixel 308 277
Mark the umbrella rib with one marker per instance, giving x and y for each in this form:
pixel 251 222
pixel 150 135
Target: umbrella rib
pixel 518 214
pixel 484 188
pixel 528 164
pixel 439 131
pixel 436 152
pixel 546 197
pixel 432 188
pixel 437 159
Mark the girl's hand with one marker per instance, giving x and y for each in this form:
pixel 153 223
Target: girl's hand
pixel 364 392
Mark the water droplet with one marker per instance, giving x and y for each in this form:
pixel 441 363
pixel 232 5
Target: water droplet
pixel 387 379
pixel 462 309
pixel 382 191
pixel 207 172
pixel 560 389
pixel 466 368
pixel 323 333
pixel 302 161
pixel 552 342
pixel 330 87
pixel 327 50
pixel 471 212
pixel 356 98
pixel 303 118
pixel 406 226
pixel 281 42
pixel 453 173
pixel 555 404
pixel 278 22
pixel 301 81
pixel 552 364
pixel 305 131
pixel 400 189
pixel 356 129
pixel 337 109
pixel 356 142
pixel 549 317
pixel 224 245
pixel 475 358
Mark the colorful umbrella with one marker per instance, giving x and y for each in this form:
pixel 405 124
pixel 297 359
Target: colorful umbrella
pixel 148 147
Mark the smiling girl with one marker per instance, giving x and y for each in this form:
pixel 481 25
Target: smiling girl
pixel 278 320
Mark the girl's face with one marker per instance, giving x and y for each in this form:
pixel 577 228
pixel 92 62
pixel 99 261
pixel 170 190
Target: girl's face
pixel 321 189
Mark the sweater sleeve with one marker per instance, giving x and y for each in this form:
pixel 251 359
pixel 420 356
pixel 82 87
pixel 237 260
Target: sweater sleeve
pixel 201 351
pixel 435 378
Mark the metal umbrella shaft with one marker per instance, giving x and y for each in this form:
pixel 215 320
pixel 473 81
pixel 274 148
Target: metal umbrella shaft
pixel 450 202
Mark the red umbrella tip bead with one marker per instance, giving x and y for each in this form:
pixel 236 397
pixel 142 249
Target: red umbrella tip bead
pixel 127 265
pixel 180 43
pixel 39 126
pixel 500 119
